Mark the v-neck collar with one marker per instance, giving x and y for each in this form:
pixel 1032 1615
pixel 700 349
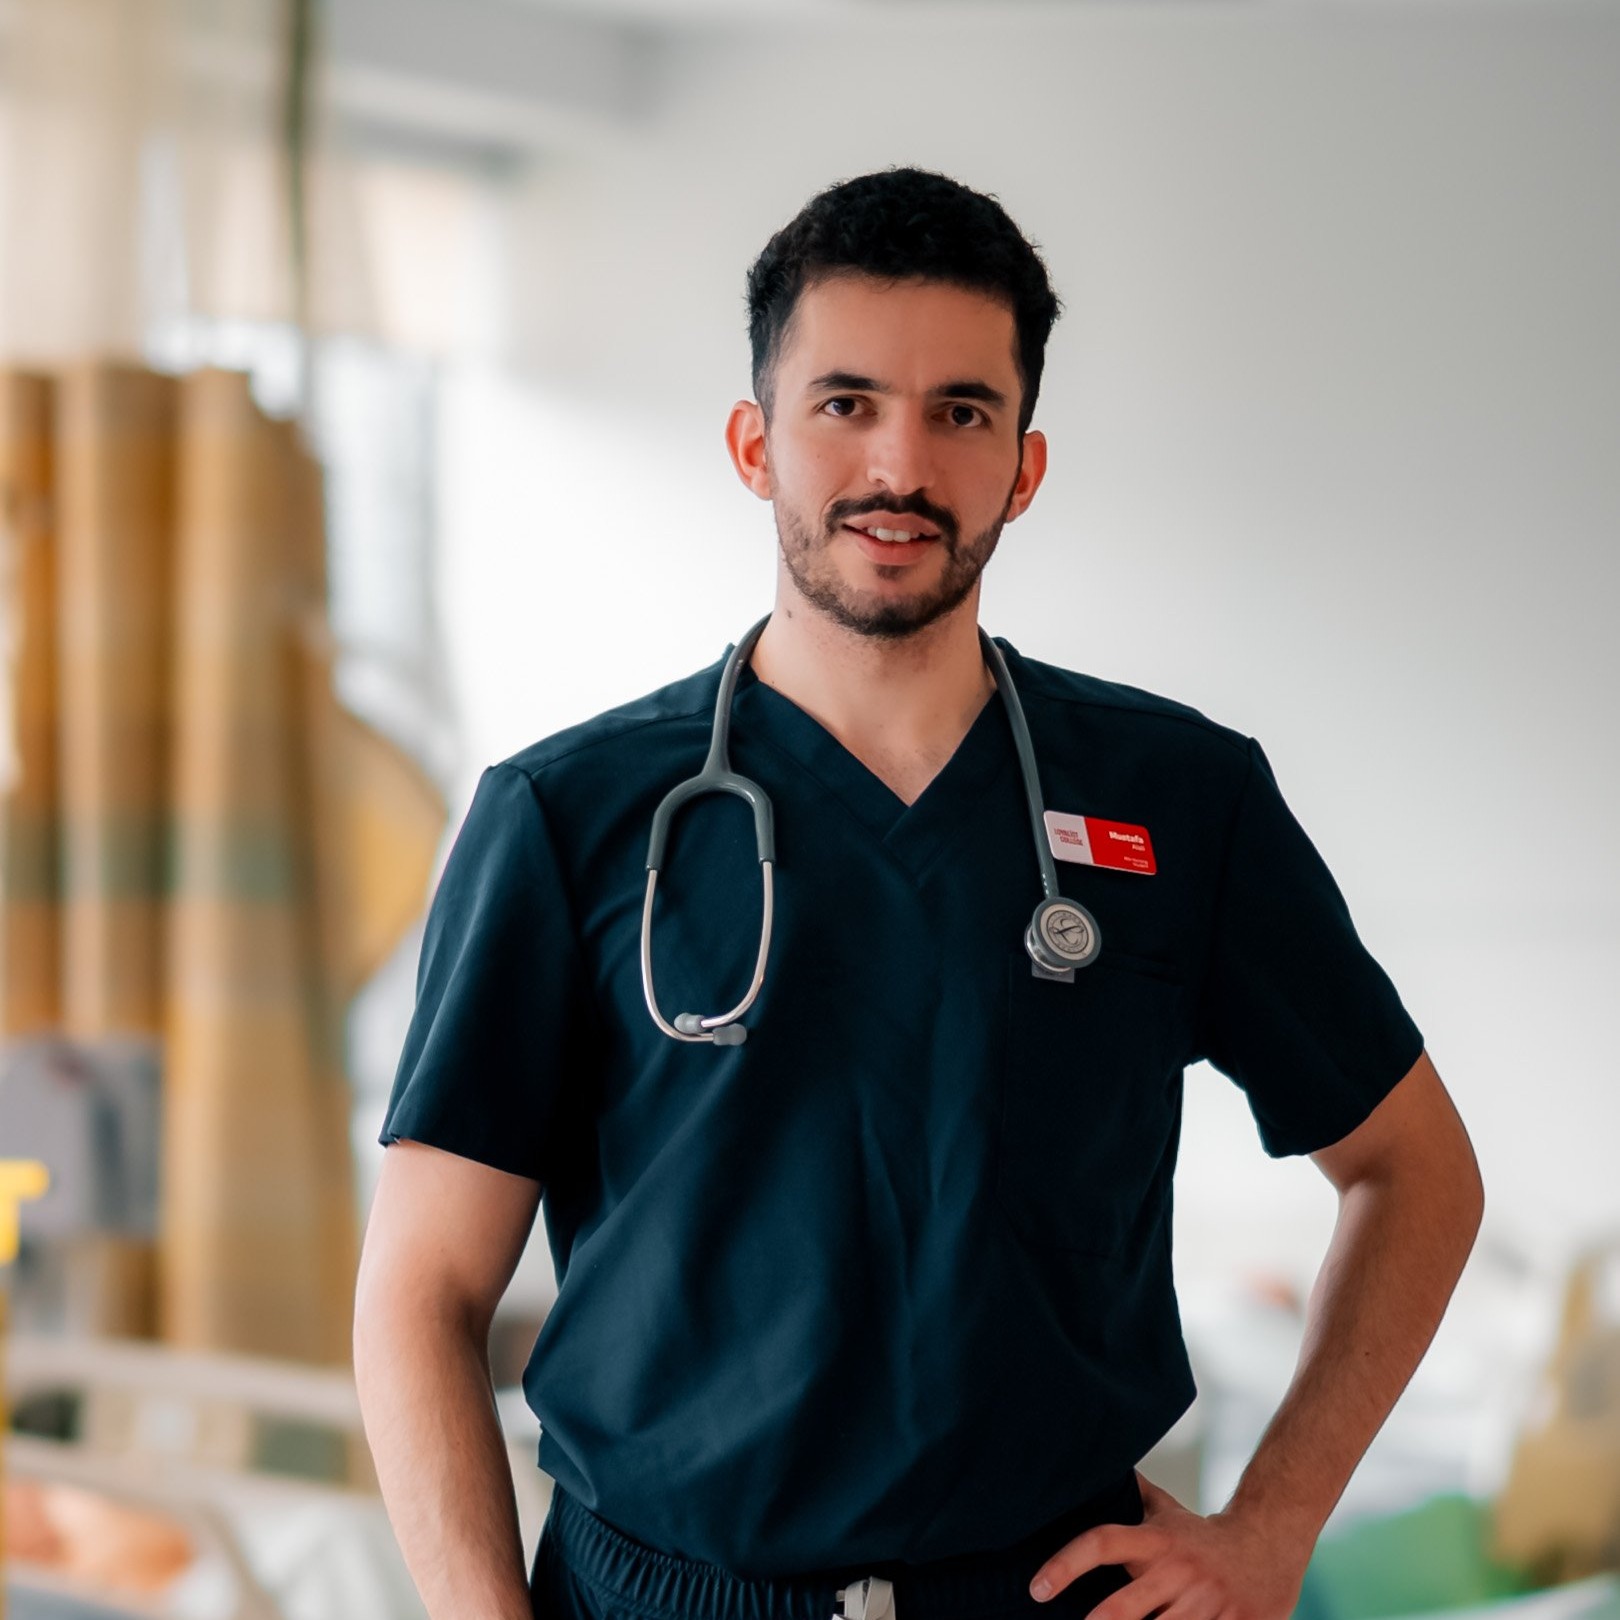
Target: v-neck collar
pixel 915 833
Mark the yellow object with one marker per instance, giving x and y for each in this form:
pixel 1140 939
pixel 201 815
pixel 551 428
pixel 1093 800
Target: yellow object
pixel 20 1180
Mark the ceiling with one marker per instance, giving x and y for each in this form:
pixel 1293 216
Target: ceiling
pixel 506 79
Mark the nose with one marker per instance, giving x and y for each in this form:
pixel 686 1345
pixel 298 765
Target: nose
pixel 900 454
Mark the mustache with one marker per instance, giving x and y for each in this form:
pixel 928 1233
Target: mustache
pixel 840 512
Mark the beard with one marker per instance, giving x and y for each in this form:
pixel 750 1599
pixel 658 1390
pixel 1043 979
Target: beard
pixel 874 613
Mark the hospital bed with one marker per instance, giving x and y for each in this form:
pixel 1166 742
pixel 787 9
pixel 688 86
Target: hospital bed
pixel 261 1464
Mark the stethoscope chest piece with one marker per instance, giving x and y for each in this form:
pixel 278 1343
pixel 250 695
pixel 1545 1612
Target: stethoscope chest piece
pixel 1062 936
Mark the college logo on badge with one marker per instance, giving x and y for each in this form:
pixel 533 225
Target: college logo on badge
pixel 1092 841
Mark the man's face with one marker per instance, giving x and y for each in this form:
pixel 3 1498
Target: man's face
pixel 895 414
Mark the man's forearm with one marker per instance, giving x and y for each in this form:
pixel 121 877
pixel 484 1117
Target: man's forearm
pixel 1397 1251
pixel 435 1439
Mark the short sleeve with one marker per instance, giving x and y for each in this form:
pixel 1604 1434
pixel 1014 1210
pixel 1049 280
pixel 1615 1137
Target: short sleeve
pixel 496 1029
pixel 1295 1009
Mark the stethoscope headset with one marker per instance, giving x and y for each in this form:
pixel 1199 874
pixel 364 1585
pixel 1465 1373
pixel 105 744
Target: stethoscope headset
pixel 1061 936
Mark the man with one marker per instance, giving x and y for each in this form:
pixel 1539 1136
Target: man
pixel 874 1308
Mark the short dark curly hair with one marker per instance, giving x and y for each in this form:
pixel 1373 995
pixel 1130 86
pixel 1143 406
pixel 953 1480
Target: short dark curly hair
pixel 898 224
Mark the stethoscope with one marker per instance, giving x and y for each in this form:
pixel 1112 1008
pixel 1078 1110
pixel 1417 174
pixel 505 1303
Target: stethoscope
pixel 1061 936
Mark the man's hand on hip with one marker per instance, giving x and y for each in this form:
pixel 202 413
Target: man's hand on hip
pixel 1184 1566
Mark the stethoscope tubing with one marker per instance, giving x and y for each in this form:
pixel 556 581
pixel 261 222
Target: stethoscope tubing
pixel 717 776
pixel 701 1029
pixel 1026 763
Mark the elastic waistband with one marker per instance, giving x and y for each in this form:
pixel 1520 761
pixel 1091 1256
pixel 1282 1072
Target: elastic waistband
pixel 641 1580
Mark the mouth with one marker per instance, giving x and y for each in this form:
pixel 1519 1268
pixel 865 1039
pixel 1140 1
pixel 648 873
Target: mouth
pixel 891 545
pixel 895 532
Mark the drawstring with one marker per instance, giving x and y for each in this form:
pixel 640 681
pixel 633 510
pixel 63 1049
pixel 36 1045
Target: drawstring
pixel 870 1598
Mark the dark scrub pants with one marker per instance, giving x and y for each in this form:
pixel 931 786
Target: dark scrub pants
pixel 891 1280
pixel 584 1569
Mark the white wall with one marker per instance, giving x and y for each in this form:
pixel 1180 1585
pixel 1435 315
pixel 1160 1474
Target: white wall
pixel 1333 413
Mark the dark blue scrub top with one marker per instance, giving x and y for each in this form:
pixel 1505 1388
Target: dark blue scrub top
pixel 892 1279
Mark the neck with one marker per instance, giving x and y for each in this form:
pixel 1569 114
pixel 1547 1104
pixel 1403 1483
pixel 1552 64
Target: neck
pixel 914 696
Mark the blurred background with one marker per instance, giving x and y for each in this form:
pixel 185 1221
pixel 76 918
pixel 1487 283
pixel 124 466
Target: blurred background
pixel 362 373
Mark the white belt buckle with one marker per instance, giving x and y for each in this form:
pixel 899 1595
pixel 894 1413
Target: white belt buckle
pixel 870 1598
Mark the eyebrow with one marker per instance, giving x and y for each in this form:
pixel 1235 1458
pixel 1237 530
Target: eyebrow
pixel 851 382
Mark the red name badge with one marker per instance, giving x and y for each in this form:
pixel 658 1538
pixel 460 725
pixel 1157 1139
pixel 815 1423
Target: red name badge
pixel 1091 841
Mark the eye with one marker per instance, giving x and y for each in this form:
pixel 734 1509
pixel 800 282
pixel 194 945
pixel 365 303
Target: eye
pixel 840 400
pixel 965 415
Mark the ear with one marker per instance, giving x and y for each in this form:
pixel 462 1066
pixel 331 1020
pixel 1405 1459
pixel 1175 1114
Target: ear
pixel 1031 470
pixel 745 439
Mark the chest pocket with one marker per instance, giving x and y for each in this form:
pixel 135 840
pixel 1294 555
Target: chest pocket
pixel 1090 1102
